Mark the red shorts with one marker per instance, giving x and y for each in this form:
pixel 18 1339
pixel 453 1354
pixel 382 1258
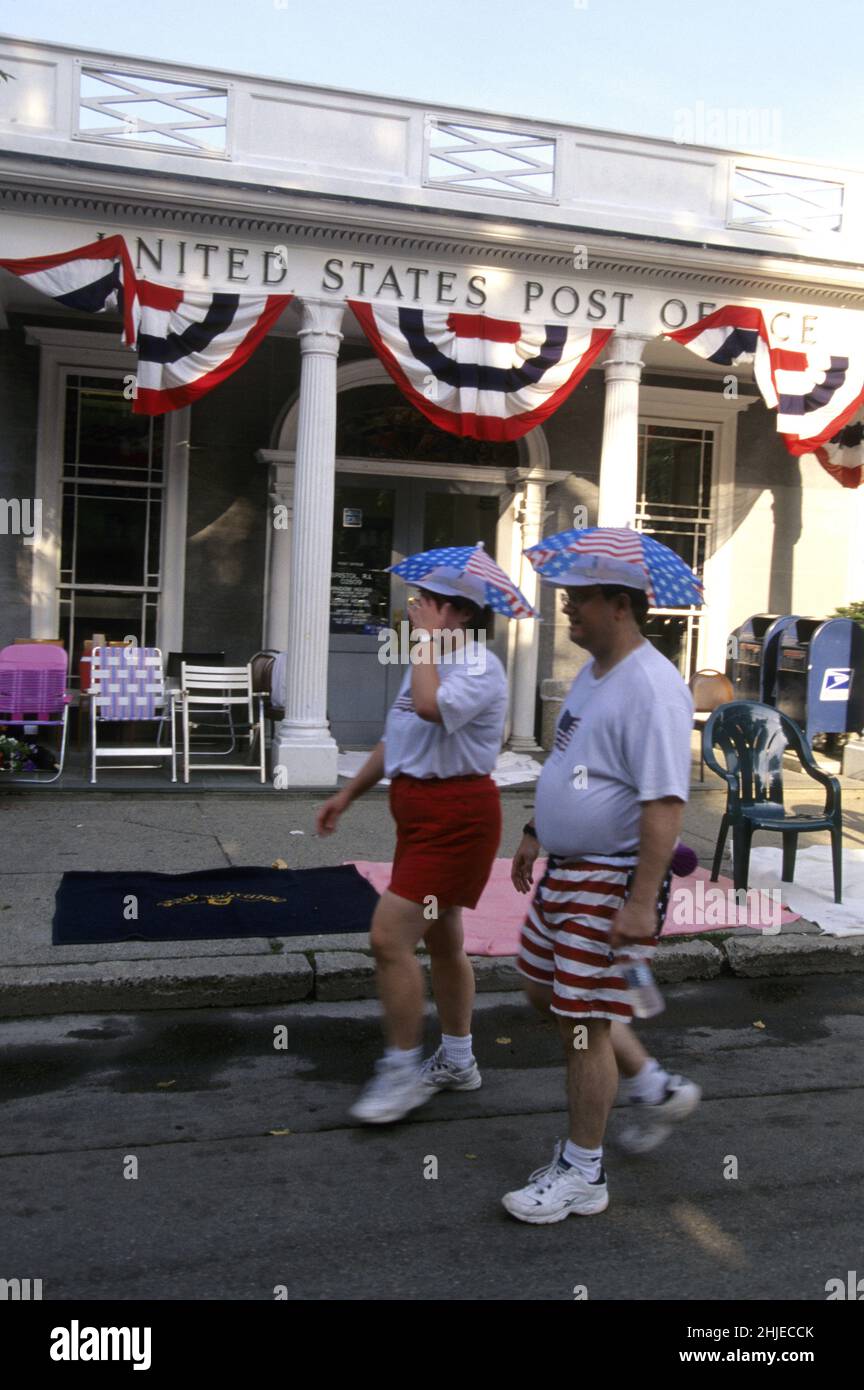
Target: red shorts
pixel 447 835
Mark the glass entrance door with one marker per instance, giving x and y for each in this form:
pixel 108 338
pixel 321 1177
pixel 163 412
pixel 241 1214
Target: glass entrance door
pixel 364 537
pixel 377 523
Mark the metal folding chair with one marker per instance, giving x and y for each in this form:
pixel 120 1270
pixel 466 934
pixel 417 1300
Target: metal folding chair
pixel 229 687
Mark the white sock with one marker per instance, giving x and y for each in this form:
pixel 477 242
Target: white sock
pixel 403 1056
pixel 457 1050
pixel 587 1161
pixel 649 1084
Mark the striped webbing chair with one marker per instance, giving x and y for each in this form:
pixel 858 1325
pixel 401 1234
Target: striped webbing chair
pixel 127 685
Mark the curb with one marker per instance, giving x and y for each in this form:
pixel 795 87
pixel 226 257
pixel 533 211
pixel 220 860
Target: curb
pixel 334 976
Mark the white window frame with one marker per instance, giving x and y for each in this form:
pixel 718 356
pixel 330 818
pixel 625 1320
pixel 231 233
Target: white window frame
pixel 68 352
pixel 678 407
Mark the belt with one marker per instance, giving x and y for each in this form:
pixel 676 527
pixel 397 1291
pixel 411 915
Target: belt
pixel 458 777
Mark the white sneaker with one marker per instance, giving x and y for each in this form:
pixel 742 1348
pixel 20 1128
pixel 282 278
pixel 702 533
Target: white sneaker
pixel 438 1074
pixel 651 1124
pixel 392 1092
pixel 555 1192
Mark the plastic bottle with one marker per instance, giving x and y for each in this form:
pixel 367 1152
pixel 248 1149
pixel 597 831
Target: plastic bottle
pixel 645 998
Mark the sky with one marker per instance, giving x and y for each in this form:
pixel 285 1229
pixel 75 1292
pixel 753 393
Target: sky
pixel 779 77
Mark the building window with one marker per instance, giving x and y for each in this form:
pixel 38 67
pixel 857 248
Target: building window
pixel 112 499
pixel 674 506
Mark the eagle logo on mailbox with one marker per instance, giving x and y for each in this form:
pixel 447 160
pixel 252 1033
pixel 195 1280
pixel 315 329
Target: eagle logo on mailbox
pixel 836 683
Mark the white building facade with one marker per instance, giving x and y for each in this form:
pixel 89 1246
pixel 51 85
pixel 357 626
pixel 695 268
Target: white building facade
pixel 266 514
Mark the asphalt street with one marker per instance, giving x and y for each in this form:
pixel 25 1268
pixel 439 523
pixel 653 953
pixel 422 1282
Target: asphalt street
pixel 224 1208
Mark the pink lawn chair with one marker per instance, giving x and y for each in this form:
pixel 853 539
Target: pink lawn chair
pixel 33 691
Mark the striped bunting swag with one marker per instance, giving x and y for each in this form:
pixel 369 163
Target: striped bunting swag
pixel 816 391
pixel 477 376
pixel 95 278
pixel 189 342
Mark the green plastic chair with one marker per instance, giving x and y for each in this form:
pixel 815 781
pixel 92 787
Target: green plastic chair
pixel 753 739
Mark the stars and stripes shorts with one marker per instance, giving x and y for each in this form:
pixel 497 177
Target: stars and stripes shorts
pixel 565 937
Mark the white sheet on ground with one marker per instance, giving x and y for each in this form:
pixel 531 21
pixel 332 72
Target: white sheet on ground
pixel 812 893
pixel 509 769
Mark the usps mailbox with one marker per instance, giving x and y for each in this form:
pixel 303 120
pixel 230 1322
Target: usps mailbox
pixel 820 675
pixel 746 648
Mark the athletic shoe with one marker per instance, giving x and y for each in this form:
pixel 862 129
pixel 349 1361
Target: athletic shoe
pixel 392 1092
pixel 439 1074
pixel 555 1192
pixel 652 1123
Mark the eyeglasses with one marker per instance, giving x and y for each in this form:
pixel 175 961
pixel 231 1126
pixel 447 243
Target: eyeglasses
pixel 576 597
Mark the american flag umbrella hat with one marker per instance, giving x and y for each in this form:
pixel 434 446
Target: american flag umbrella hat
pixel 610 555
pixel 468 571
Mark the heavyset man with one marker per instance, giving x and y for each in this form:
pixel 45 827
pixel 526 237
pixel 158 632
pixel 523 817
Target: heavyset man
pixel 441 741
pixel 608 811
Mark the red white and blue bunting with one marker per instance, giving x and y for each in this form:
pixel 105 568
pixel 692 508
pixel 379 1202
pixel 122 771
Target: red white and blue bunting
pixel 92 278
pixel 189 342
pixel 473 375
pixel 816 390
pixel 470 374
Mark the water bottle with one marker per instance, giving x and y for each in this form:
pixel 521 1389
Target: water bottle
pixel 645 998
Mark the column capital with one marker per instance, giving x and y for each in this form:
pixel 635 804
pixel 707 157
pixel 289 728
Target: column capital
pixel 280 480
pixel 320 328
pixel 623 359
pixel 531 508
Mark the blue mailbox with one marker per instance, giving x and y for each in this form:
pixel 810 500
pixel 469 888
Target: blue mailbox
pixel 771 654
pixel 752 660
pixel 819 679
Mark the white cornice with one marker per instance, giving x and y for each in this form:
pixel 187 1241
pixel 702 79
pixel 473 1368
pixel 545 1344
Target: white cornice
pixel 331 222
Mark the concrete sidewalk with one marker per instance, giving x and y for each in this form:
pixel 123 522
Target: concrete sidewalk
pixel 98 830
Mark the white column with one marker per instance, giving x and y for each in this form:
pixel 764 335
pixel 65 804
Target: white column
pixel 619 460
pixel 281 523
pixel 305 749
pixel 531 514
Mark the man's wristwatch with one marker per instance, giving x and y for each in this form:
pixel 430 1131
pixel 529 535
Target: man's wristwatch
pixel 529 829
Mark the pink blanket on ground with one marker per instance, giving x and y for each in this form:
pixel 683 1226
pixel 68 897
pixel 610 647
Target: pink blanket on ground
pixel 492 928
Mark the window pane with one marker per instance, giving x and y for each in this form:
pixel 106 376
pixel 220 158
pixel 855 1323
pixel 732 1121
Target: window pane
pixel 453 518
pixel 103 433
pixel 110 547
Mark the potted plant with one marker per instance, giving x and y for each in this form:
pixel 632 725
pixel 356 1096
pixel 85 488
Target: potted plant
pixel 16 755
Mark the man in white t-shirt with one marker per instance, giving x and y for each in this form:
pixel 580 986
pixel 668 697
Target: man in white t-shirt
pixel 608 812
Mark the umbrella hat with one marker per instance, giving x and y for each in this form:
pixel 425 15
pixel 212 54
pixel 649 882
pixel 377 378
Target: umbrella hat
pixel 468 571
pixel 617 555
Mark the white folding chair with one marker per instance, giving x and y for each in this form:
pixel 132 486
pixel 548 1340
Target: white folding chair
pixel 126 686
pixel 220 687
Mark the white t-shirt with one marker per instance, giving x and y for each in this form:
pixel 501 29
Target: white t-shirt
pixel 472 699
pixel 620 740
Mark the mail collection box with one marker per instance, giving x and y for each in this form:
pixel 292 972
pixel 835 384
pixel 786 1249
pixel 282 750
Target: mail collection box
pixel 820 675
pixel 747 651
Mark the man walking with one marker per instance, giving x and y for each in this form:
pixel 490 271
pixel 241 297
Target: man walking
pixel 608 812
